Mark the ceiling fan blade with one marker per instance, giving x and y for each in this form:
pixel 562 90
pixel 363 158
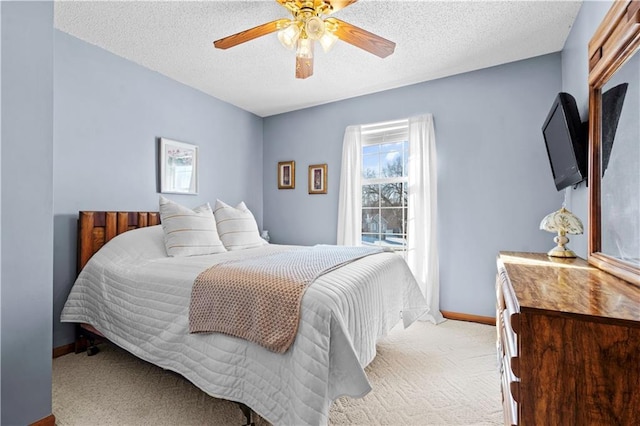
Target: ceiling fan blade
pixel 363 39
pixel 250 34
pixel 304 67
pixel 336 5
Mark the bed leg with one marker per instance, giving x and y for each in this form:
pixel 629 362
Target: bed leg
pixel 247 413
pixel 80 344
pixel 85 341
pixel 92 349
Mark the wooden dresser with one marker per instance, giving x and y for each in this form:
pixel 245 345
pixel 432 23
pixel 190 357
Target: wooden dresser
pixel 568 342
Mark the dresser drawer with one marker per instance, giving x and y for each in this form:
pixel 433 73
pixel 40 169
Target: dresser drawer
pixel 511 306
pixel 512 382
pixel 509 344
pixel 509 405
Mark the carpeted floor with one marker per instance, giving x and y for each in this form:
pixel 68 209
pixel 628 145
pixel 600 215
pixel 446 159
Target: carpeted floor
pixel 425 375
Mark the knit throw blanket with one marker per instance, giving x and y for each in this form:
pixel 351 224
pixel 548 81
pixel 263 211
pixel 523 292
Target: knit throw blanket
pixel 259 299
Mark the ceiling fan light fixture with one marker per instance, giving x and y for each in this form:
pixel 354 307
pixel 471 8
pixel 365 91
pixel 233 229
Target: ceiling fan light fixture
pixel 289 36
pixel 328 40
pixel 305 48
pixel 306 26
pixel 314 27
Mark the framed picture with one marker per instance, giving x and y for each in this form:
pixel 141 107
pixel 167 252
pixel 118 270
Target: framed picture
pixel 286 175
pixel 178 167
pixel 318 179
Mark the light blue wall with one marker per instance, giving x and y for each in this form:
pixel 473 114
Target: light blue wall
pixel 494 180
pixel 108 113
pixel 27 210
pixel 575 75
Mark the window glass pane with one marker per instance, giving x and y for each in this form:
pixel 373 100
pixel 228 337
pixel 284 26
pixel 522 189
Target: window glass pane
pixel 370 166
pixel 370 195
pixel 370 239
pixel 392 221
pixel 405 195
pixel 397 241
pixel 392 195
pixel 392 164
pixel 370 149
pixel 404 220
pixel 371 221
pixel 405 162
pixel 393 241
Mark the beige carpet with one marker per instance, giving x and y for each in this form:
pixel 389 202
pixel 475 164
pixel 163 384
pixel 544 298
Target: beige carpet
pixel 425 375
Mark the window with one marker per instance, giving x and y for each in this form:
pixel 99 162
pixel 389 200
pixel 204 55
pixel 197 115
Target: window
pixel 388 196
pixel 385 154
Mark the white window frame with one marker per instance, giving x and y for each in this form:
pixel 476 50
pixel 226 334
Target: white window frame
pixel 378 134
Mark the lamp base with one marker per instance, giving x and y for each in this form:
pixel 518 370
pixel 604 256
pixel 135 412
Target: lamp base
pixel 561 252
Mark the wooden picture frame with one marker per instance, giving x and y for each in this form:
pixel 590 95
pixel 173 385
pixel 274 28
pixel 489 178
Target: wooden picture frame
pixel 178 167
pixel 318 179
pixel 286 175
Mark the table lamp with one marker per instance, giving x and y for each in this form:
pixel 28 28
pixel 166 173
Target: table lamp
pixel 563 222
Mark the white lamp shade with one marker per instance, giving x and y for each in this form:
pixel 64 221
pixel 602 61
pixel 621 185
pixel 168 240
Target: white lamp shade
pixel 562 221
pixel 327 41
pixel 314 27
pixel 289 36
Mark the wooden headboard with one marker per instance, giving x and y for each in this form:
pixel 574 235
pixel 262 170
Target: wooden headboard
pixel 96 228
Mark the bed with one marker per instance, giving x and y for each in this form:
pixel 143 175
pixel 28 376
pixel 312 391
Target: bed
pixel 137 297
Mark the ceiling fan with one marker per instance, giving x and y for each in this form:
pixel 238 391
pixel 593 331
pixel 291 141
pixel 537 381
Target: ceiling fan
pixel 310 23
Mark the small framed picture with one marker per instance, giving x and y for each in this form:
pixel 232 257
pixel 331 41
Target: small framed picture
pixel 178 163
pixel 318 179
pixel 286 175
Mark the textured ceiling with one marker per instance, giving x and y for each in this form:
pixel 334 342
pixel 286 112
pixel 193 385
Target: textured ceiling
pixel 433 39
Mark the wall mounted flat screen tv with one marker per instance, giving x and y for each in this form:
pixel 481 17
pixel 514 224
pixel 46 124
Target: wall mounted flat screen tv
pixel 565 139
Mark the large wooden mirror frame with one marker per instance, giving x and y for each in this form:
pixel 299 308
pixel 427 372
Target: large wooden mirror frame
pixel 615 41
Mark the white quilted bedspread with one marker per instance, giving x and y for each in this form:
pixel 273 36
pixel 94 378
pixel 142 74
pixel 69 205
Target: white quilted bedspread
pixel 139 299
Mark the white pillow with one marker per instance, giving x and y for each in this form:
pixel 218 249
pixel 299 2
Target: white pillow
pixel 189 232
pixel 237 227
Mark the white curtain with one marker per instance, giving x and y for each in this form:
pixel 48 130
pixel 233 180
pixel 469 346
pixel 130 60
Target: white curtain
pixel 422 250
pixel 350 198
